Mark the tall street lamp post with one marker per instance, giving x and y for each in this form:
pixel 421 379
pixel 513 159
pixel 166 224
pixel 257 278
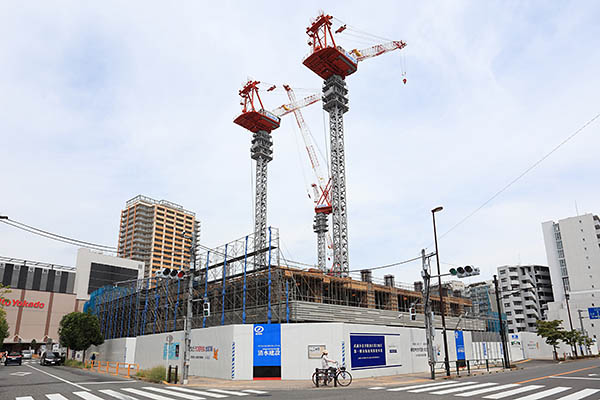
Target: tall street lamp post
pixel 443 310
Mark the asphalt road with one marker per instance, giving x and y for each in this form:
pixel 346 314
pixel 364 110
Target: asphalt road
pixel 537 381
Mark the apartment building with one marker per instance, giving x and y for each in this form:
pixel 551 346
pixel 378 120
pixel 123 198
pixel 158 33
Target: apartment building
pixel 573 253
pixel 525 292
pixel 157 232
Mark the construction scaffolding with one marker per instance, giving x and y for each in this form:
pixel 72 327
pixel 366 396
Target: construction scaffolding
pixel 239 290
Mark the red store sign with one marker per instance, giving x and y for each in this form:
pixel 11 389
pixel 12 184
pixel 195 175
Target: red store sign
pixel 24 303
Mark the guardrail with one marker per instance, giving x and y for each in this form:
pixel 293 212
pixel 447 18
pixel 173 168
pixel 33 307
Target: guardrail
pixel 469 365
pixel 113 367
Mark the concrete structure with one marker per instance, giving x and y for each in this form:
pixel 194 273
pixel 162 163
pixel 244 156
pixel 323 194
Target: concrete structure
pixel 95 270
pixel 526 290
pixel 157 232
pixel 573 252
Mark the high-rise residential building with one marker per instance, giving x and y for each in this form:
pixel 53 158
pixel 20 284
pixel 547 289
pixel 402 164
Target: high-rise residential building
pixel 573 252
pixel 157 232
pixel 525 292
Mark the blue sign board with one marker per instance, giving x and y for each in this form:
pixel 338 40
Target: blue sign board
pixel 173 351
pixel 267 345
pixel 460 345
pixel 367 350
pixel 594 312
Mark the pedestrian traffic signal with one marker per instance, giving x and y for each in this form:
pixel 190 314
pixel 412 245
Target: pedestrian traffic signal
pixel 412 313
pixel 463 272
pixel 206 309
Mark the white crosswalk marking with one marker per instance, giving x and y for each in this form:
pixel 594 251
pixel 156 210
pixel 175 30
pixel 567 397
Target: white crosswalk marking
pixel 376 388
pixel 462 388
pixel 200 392
pixel 87 396
pixel 428 389
pixel 579 395
pixel 172 393
pixel 420 386
pixel 487 390
pixel 56 396
pixel 513 392
pixel 117 395
pixel 542 394
pixel 24 398
pixel 146 394
pixel 254 391
pixel 231 392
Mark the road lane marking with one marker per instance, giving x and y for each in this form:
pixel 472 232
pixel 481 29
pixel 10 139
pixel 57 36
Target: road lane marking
pixel 460 389
pixel 146 394
pixel 59 378
pixel 56 396
pixel 377 388
pixel 486 390
pixel 456 384
pixel 580 395
pixel 254 391
pixel 541 395
pixel 513 392
pixel 420 386
pixel 574 377
pixel 193 391
pixel 182 395
pixel 87 396
pixel 562 373
pixel 231 392
pixel 117 395
pixel 24 398
pixel 102 383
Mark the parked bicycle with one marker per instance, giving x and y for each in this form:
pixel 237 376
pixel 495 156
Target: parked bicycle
pixel 324 377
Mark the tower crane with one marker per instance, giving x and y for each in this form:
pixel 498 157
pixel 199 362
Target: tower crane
pixel 332 63
pixel 261 123
pixel 322 197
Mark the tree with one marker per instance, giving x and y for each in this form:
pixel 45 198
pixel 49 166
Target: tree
pixel 552 332
pixel 572 338
pixel 78 331
pixel 3 323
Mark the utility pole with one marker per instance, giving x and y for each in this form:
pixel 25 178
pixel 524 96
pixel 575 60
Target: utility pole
pixel 581 325
pixel 429 327
pixel 443 311
pixel 188 320
pixel 570 320
pixel 502 331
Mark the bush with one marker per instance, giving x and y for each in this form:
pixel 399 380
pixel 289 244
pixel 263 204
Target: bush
pixel 156 374
pixel 73 363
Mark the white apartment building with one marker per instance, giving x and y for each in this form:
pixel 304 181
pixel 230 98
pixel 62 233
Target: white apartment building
pixel 573 252
pixel 525 291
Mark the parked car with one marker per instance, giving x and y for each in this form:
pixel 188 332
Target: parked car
pixel 49 358
pixel 14 357
pixel 27 354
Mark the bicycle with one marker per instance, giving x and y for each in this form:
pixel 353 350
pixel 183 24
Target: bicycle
pixel 326 376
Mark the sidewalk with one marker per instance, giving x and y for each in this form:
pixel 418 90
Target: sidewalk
pixel 392 380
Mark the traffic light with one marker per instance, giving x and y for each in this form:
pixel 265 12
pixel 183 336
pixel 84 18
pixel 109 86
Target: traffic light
pixel 463 272
pixel 206 309
pixel 172 273
pixel 412 314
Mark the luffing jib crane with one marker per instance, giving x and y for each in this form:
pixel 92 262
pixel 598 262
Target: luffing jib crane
pixel 332 63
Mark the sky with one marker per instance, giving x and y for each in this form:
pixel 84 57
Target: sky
pixel 104 101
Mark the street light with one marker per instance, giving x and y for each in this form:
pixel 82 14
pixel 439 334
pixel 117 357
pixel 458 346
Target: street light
pixel 437 257
pixel 3 217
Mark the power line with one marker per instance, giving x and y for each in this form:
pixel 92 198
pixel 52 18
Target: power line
pixel 498 193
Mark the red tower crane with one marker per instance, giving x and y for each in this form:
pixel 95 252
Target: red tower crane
pixel 252 118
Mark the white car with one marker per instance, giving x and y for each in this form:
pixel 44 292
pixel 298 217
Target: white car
pixel 27 354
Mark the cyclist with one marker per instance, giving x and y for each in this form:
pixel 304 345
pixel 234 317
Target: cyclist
pixel 328 364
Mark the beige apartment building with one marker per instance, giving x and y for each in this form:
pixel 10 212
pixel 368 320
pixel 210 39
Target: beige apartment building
pixel 157 232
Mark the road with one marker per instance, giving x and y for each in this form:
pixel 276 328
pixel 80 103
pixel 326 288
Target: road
pixel 538 381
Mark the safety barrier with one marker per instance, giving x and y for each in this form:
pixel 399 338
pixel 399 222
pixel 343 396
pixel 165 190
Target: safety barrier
pixel 113 367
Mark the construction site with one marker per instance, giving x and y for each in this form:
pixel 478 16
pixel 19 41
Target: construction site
pixel 247 281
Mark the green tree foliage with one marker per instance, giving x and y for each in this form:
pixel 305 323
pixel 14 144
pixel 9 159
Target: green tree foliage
pixel 3 323
pixel 552 332
pixel 78 331
pixel 572 338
